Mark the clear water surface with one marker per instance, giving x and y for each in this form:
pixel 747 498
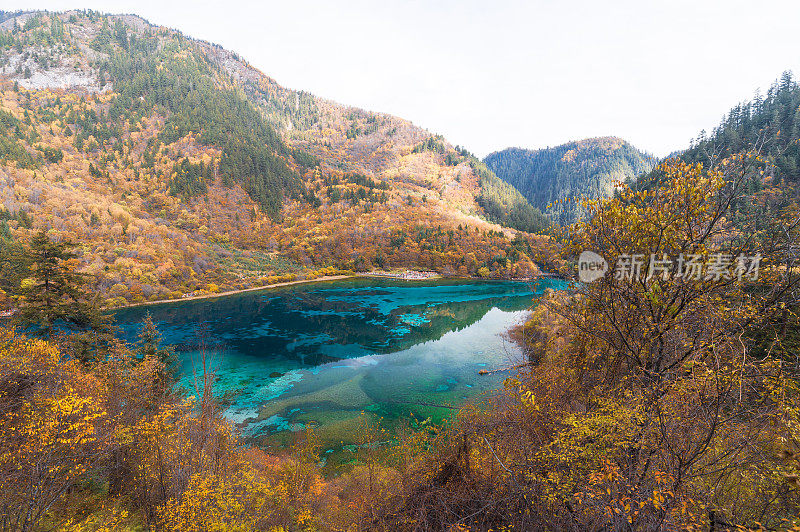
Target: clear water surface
pixel 327 354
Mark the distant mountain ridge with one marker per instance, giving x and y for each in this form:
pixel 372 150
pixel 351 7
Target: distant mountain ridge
pixel 552 179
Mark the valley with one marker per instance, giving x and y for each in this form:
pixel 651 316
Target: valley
pixel 327 354
pixel 226 304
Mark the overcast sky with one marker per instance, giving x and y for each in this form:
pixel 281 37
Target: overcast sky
pixel 491 74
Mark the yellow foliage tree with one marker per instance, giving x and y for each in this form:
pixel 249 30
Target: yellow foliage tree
pixel 55 428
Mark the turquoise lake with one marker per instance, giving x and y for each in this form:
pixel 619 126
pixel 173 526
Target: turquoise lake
pixel 326 354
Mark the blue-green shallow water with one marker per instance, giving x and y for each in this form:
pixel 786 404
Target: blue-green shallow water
pixel 385 348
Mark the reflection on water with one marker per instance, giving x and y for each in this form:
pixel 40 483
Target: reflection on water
pixel 323 354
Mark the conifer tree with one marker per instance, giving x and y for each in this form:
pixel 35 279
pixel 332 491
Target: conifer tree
pixel 54 298
pixel 150 347
pixel 53 292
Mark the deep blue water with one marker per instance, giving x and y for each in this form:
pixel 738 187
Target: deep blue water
pixel 326 354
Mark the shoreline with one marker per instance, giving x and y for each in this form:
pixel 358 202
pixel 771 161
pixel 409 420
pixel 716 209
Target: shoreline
pixel 234 292
pixel 373 275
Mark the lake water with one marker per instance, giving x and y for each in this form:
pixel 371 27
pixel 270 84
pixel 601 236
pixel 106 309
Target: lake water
pixel 329 354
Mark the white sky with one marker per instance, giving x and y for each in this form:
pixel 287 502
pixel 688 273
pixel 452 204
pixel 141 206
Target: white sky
pixel 491 74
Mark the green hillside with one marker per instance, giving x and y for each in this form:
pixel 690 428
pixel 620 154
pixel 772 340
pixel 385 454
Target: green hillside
pixel 553 178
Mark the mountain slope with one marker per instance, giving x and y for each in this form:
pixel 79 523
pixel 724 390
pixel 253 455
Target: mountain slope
pixel 757 146
pixel 768 124
pixel 558 176
pixel 181 168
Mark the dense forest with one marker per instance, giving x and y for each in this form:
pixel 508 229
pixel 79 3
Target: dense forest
pixel 505 204
pixel 164 73
pixel 769 123
pixel 554 179
pixel 215 177
pixel 768 127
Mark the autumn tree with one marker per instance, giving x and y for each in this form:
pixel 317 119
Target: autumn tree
pixel 55 429
pixel 645 408
pixel 660 354
pixel 13 263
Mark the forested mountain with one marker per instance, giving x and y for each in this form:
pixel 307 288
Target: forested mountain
pixel 769 125
pixel 181 168
pixel 764 133
pixel 552 179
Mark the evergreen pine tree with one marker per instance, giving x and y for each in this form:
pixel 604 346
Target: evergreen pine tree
pixel 54 296
pixel 150 347
pixel 53 292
